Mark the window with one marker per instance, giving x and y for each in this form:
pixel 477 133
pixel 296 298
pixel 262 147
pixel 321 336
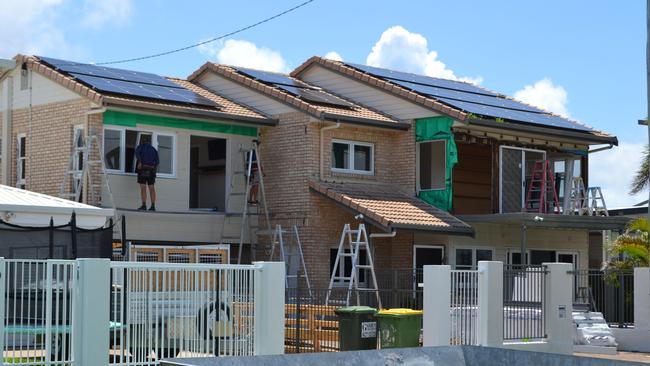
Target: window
pixel 468 258
pixel 515 170
pixel 120 145
pixel 432 165
pixel 345 268
pixel 352 157
pixel 22 161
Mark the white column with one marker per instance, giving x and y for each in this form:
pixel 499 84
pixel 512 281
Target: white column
pixel 3 297
pixel 559 307
pixel 642 299
pixel 91 313
pixel 269 308
pixel 490 303
pixel 6 106
pixel 437 301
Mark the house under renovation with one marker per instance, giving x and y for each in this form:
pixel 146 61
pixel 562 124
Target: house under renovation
pixel 438 171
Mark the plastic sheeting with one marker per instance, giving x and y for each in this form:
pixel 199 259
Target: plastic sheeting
pixel 439 128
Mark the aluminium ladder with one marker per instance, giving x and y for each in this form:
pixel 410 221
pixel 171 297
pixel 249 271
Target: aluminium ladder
pixel 239 210
pixel 87 154
pixel 357 240
pixel 578 203
pixel 291 254
pixel 594 196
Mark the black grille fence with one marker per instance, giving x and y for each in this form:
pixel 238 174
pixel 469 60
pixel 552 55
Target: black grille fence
pixel 524 295
pixel 611 293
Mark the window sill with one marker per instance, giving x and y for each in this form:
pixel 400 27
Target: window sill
pixel 161 176
pixel 355 172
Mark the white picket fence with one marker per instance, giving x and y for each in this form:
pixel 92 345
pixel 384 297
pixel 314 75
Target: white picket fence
pixel 54 311
pixel 464 307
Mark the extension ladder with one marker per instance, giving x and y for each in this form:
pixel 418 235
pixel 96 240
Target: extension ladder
pixel 291 254
pixel 357 240
pixel 87 154
pixel 239 210
pixel 542 184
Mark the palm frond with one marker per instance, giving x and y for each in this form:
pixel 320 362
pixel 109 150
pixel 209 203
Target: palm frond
pixel 640 181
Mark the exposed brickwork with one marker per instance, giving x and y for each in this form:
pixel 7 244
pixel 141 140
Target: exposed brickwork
pixel 49 143
pixel 290 154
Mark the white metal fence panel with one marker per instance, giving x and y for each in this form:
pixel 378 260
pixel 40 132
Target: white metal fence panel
pixel 39 302
pixel 161 310
pixel 464 307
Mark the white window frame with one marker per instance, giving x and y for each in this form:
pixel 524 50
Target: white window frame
pixel 417 164
pixel 473 249
pixel 154 143
pixel 351 145
pixel 523 169
pixel 21 182
pixel 558 252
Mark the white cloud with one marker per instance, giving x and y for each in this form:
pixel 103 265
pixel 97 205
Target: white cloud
pixel 402 50
pixel 29 26
pixel 245 54
pixel 613 170
pixel 98 13
pixel 332 55
pixel 544 94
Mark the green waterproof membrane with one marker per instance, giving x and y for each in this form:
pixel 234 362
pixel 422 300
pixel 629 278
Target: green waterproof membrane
pixel 127 119
pixel 439 128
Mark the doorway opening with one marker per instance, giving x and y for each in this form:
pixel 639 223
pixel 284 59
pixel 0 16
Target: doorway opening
pixel 208 161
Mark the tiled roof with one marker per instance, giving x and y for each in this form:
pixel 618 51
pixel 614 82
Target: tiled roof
pixel 390 208
pixel 229 109
pixel 405 93
pixel 318 110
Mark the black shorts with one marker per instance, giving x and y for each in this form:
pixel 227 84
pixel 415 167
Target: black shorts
pixel 147 176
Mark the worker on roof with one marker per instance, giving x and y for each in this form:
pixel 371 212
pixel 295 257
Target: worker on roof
pixel 147 165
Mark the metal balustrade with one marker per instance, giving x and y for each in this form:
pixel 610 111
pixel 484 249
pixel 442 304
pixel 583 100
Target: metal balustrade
pixel 524 296
pixel 464 307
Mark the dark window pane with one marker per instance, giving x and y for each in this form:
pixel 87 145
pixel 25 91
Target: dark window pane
pixel 483 255
pixel 464 258
pixel 542 256
pixel 131 138
pixel 165 154
pixel 362 157
pixel 340 155
pixel 427 256
pixel 112 149
pixel 432 165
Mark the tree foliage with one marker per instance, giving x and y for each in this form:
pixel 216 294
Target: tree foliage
pixel 640 181
pixel 631 248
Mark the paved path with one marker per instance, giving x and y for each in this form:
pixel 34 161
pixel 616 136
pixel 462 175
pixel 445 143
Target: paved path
pixel 621 356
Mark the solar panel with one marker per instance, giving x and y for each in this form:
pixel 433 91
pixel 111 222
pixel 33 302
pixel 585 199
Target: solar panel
pixel 126 82
pixel 471 99
pixel 295 87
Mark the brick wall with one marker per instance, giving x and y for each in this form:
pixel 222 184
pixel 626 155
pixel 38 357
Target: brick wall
pixel 49 144
pixel 290 154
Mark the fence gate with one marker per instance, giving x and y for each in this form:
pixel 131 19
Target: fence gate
pixel 162 310
pixel 464 307
pixel 38 304
pixel 524 296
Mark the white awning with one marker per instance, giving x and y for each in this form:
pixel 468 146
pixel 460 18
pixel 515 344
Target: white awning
pixel 22 207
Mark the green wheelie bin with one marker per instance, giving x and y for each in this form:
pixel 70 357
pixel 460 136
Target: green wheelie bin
pixel 357 328
pixel 399 328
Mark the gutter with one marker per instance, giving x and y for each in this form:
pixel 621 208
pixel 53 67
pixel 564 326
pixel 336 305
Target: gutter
pixel 322 147
pixel 545 131
pixel 402 126
pixel 194 113
pixel 600 149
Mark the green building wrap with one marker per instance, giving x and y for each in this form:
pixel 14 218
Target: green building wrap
pixel 118 118
pixel 439 128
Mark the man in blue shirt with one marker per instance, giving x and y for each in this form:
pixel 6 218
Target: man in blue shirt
pixel 147 164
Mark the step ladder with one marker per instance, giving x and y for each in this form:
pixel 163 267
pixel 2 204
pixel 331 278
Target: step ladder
pixel 357 240
pixel 239 211
pixel 541 186
pixel 290 252
pixel 578 204
pixel 597 206
pixel 85 158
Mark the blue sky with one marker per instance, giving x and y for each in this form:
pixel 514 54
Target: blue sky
pixel 581 58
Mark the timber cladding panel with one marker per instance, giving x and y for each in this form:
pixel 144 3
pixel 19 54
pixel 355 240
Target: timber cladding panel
pixel 472 179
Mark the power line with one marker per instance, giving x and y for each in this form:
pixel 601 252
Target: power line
pixel 209 40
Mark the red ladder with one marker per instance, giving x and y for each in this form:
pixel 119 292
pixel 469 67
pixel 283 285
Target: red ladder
pixel 542 181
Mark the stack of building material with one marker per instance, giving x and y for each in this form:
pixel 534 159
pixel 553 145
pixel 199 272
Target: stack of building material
pixel 592 334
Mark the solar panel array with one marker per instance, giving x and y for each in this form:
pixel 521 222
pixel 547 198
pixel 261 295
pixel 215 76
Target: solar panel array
pixel 471 99
pixel 294 87
pixel 128 83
